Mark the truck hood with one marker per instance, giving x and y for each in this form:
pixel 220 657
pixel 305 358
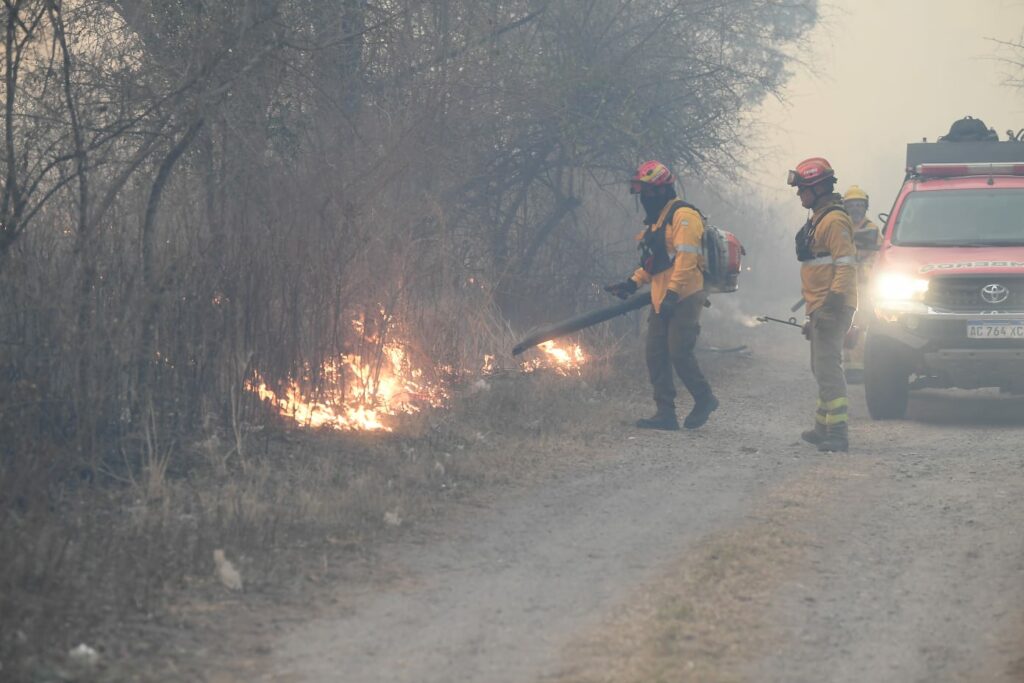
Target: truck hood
pixel 931 261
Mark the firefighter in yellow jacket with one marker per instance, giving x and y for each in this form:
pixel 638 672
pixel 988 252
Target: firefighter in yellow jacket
pixel 867 238
pixel 671 264
pixel 828 275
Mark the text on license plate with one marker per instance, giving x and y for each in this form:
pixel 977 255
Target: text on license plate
pixel 995 329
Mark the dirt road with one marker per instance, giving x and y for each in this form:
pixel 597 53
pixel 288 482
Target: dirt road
pixel 735 553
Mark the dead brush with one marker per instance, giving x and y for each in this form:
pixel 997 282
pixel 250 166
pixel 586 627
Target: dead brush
pixel 156 458
pixel 99 554
pixel 461 329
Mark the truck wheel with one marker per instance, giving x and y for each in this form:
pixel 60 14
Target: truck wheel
pixel 886 379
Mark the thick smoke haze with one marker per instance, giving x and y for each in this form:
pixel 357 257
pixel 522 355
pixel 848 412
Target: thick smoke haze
pixel 886 72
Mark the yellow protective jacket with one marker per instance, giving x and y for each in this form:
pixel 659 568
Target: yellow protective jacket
pixel 834 266
pixel 683 241
pixel 866 232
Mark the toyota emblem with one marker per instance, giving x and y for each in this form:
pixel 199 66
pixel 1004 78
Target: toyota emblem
pixel 995 293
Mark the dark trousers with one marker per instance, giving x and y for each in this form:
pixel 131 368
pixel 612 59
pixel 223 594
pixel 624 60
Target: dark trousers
pixel 670 344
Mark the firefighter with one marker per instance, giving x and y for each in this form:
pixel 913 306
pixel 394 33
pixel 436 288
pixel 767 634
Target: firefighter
pixel 867 238
pixel 828 275
pixel 671 264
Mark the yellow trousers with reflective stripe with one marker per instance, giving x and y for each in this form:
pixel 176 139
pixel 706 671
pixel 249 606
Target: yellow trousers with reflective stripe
pixel 833 412
pixel 827 334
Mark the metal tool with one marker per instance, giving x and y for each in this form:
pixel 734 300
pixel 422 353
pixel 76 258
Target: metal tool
pixel 769 319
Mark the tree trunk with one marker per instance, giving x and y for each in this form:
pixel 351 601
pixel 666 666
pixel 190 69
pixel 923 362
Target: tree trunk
pixel 151 297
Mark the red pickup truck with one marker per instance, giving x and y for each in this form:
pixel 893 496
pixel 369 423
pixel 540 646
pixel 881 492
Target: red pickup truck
pixel 948 285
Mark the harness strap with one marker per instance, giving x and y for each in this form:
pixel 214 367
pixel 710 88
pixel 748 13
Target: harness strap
pixel 827 211
pixel 653 245
pixel 676 205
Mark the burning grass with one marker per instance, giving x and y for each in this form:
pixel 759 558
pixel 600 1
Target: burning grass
pixel 563 358
pixel 366 390
pixel 359 391
pixel 99 562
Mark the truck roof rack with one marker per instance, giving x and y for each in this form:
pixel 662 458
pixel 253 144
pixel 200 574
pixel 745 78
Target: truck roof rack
pixel 963 153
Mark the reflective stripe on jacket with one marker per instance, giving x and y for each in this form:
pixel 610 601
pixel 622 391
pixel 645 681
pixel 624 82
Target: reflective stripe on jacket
pixel 683 240
pixel 834 266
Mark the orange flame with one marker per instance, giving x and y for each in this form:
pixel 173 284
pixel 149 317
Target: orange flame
pixel 358 394
pixel 363 392
pixel 564 360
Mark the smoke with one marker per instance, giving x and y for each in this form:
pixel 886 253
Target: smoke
pixel 770 281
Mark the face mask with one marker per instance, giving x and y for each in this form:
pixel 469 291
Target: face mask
pixel 653 207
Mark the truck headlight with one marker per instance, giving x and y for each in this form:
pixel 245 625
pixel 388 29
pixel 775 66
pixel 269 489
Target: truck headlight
pixel 899 287
pixel 897 294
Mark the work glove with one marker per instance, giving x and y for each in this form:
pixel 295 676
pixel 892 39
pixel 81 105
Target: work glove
pixel 623 290
pixel 833 306
pixel 668 304
pixel 852 337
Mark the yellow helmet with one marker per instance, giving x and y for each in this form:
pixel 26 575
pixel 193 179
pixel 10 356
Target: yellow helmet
pixel 855 193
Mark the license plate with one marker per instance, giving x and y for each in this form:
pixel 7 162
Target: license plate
pixel 995 329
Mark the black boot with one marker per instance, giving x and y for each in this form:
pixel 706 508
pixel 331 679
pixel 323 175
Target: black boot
pixel 665 418
pixel 814 436
pixel 701 412
pixel 837 439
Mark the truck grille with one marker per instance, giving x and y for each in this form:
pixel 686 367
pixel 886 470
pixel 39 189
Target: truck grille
pixel 966 293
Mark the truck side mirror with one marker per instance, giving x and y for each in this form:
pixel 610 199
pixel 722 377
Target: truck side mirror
pixel 884 217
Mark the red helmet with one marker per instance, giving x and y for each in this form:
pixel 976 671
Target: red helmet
pixel 652 173
pixel 811 172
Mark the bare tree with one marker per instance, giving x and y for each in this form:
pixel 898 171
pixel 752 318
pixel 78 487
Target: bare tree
pixel 1010 53
pixel 194 189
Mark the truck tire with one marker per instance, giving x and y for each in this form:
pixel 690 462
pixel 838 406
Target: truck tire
pixel 886 378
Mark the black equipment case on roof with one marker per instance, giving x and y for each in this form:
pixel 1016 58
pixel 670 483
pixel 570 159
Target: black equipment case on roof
pixel 963 153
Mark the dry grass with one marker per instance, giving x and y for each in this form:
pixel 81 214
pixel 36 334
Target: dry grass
pixel 706 617
pixel 95 561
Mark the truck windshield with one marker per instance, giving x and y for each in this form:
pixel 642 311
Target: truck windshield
pixel 961 218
